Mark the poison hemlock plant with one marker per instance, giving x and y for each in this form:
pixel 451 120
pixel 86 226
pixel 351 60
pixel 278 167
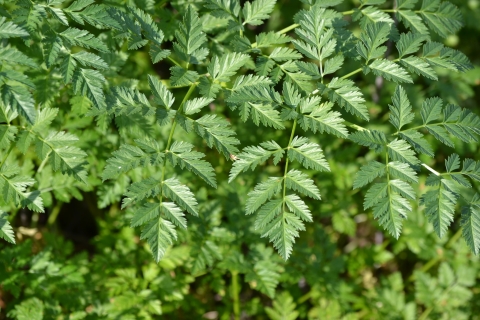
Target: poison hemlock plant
pixel 158 115
pixel 60 58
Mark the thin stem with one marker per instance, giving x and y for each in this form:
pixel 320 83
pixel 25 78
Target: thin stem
pixel 6 155
pixel 354 126
pixel 286 163
pixel 351 73
pixel 54 214
pixel 173 61
pixel 349 12
pixel 172 130
pixel 44 162
pixel 235 296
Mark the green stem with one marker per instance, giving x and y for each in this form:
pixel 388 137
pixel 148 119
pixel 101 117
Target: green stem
pixel 235 296
pixel 172 130
pixel 173 61
pixel 351 73
pixel 6 155
pixel 286 163
pixel 54 214
pixel 354 126
pixel 346 13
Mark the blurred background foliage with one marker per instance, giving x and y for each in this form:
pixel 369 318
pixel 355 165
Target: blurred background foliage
pixel 82 260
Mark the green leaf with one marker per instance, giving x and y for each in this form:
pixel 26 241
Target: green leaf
pixel 402 171
pixel 371 15
pixel 181 154
pixel 413 21
pixel 58 14
pixel 346 95
pixel 271 38
pixel 129 157
pixel 442 17
pixel 159 234
pixel 315 33
pixel 7 135
pixel 402 188
pixel 401 111
pixel 376 192
pixel 409 43
pixel 310 155
pixel 319 117
pixel 419 66
pixel 390 71
pixel 162 96
pixel 375 140
pixel 223 68
pixel 431 109
pixel 262 113
pixel 284 307
pixel 195 105
pixel 263 191
pixel 252 156
pixel 89 83
pixel 368 173
pixel 298 181
pixel 190 38
pixel 440 207
pixel 6 231
pixel 251 81
pixel 44 119
pixel 265 277
pixel 83 38
pixel 182 77
pixel 14 188
pixel 13 56
pixel 390 211
pixel 470 222
pixel 374 35
pixel 21 100
pixel 181 195
pixel 67 68
pixel 88 59
pixel 399 150
pixel 333 64
pixel 267 213
pixel 68 159
pixel 174 214
pixel 284 54
pixel 223 8
pixel 9 29
pixel 217 132
pixel 416 140
pixel 145 213
pixel 256 11
pixel 297 206
pixel 140 190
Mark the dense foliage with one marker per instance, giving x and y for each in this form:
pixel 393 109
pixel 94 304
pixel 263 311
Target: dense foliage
pixel 323 154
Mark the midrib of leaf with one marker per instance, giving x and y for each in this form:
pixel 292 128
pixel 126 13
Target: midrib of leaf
pixel 170 136
pixel 286 165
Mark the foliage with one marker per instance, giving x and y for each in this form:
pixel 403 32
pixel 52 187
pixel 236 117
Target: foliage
pixel 191 130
